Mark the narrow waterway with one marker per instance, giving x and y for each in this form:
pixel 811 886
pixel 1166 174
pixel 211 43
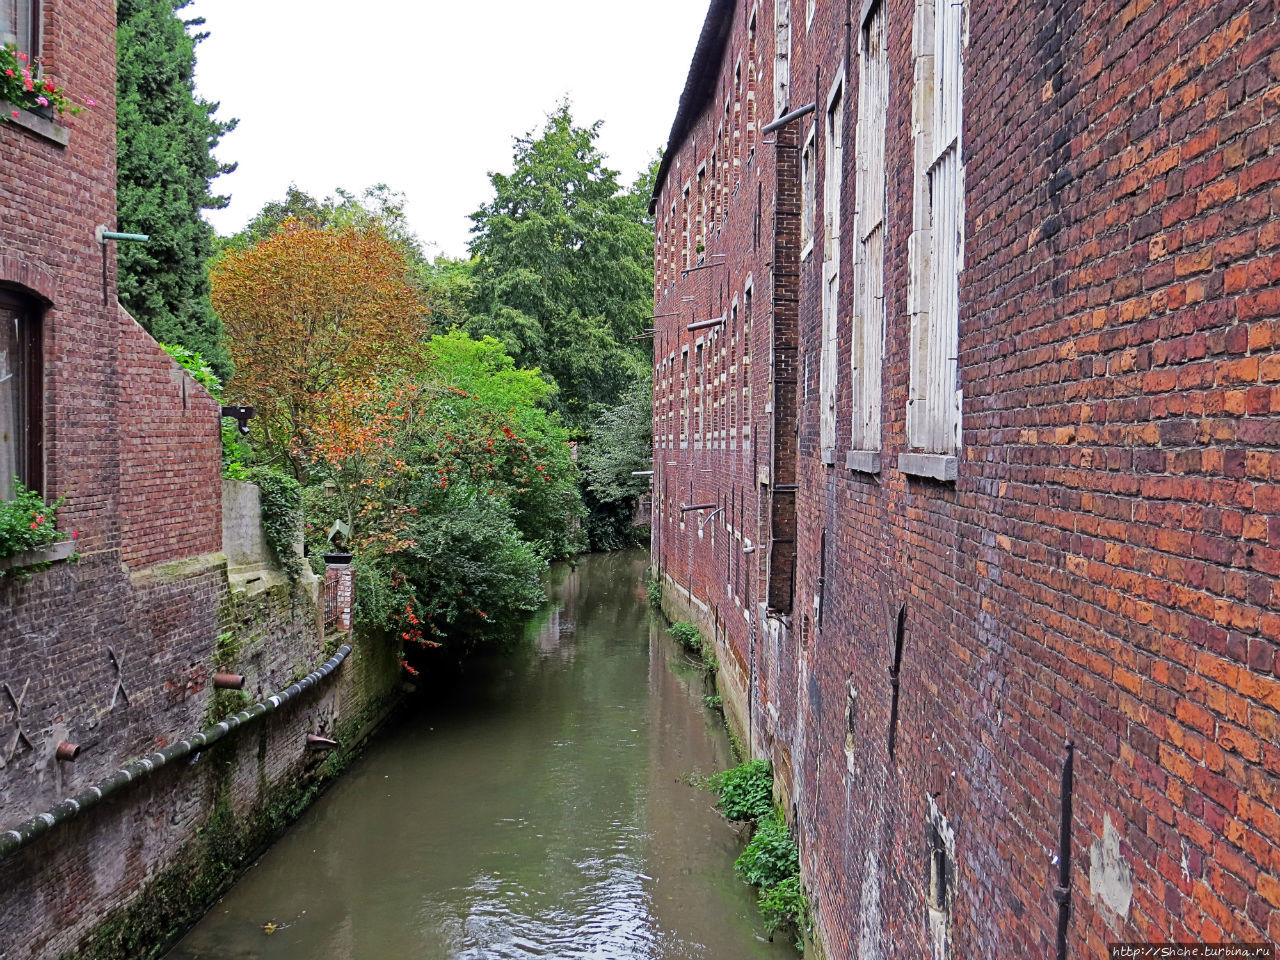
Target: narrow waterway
pixel 541 809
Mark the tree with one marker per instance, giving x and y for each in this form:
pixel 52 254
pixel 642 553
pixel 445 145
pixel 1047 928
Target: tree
pixel 563 267
pixel 308 310
pixel 620 446
pixel 455 484
pixel 165 165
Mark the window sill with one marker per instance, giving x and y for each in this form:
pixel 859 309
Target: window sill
pixel 41 127
pixel 829 457
pixel 807 251
pixel 933 466
pixel 863 461
pixel 31 558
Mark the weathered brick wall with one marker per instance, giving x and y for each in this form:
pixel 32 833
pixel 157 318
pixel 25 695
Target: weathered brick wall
pixel 1101 571
pixel 171 457
pixel 115 651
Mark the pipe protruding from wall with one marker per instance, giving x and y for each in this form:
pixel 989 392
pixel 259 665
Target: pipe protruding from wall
pixel 316 742
pixel 228 681
pixel 68 751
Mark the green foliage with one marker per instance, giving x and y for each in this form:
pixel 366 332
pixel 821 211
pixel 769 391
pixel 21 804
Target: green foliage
pixel 235 449
pixel 165 164
pixel 563 267
pixel 771 856
pixel 281 499
pixel 686 635
pixel 27 522
pixel 457 485
pixel 620 444
pixel 488 389
pixel 713 701
pixel 745 791
pixel 653 589
pixel 785 905
pixel 195 364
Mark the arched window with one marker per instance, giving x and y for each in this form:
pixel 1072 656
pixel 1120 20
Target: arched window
pixel 21 394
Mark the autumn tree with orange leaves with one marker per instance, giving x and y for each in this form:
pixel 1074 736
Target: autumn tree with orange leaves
pixel 308 310
pixel 456 486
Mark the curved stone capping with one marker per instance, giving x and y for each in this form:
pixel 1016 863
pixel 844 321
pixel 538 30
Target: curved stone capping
pixel 40 126
pixel 30 558
pixel 21 834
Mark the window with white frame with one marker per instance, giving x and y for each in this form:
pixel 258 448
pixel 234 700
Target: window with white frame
pixel 832 190
pixel 781 57
pixel 868 257
pixel 807 195
pixel 933 413
pixel 809 7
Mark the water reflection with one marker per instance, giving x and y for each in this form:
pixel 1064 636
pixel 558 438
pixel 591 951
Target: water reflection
pixel 541 809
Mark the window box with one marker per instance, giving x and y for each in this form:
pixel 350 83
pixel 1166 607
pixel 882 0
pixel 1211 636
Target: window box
pixel 31 558
pixel 43 127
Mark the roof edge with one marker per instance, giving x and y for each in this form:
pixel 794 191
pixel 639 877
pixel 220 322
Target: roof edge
pixel 698 85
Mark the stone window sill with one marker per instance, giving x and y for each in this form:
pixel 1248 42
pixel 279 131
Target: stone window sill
pixel 31 558
pixel 863 461
pixel 40 126
pixel 933 466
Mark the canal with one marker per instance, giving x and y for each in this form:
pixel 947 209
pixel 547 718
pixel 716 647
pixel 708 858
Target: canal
pixel 541 808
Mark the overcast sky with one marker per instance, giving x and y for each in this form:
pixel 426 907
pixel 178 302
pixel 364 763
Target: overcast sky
pixel 425 95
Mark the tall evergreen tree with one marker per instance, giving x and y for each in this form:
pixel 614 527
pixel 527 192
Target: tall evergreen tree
pixel 165 165
pixel 563 268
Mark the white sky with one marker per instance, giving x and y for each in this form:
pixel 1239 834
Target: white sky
pixel 425 96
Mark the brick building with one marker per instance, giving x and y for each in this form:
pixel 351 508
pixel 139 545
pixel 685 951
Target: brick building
pixel 965 439
pixel 114 651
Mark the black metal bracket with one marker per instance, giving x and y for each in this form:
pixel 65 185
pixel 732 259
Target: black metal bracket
pixel 242 416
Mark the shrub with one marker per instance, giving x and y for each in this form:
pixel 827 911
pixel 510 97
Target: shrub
pixel 686 635
pixel 653 589
pixel 281 499
pixel 746 791
pixel 771 856
pixel 27 522
pixel 785 904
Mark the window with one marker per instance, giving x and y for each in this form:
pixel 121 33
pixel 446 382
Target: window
pixel 751 87
pixel 20 25
pixel 933 413
pixel 685 262
pixel 832 189
pixel 809 7
pixel 868 257
pixel 21 395
pixel 807 196
pixel 737 124
pixel 702 211
pixel 781 57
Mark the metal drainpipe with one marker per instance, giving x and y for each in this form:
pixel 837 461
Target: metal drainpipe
pixel 21 834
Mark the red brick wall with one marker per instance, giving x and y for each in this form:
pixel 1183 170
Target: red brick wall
pixel 172 457
pixel 1101 570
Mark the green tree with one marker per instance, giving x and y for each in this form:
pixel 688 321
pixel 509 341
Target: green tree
pixel 563 267
pixel 619 446
pixel 165 165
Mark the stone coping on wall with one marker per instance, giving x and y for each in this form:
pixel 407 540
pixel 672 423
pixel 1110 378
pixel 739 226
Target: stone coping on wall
pixel 32 558
pixel 40 126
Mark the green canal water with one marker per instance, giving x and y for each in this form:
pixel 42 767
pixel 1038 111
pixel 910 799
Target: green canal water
pixel 539 808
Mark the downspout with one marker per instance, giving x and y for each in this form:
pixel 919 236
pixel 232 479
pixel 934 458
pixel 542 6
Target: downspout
pixel 21 834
